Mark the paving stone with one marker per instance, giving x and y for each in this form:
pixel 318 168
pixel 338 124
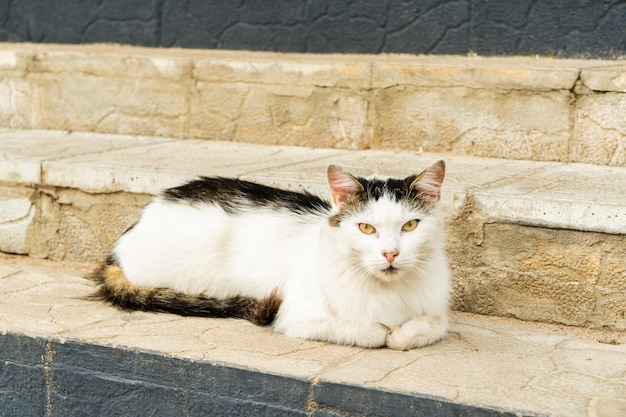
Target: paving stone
pixel 537 198
pixel 23 151
pixel 179 161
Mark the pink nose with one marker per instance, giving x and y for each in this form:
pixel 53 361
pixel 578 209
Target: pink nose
pixel 390 255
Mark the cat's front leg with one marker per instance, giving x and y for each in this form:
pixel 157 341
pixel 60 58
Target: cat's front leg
pixel 417 332
pixel 334 330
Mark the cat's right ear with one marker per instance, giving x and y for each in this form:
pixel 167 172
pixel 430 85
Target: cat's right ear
pixel 342 184
pixel 428 183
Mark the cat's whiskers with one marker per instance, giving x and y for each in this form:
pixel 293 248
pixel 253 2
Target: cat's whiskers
pixel 359 274
pixel 418 266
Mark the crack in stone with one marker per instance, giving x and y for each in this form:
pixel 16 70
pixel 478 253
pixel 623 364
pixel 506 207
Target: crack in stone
pixel 9 275
pixel 28 216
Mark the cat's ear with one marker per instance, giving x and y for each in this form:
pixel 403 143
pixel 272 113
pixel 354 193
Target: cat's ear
pixel 429 182
pixel 342 184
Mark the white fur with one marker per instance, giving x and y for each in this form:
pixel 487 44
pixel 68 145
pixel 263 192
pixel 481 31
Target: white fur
pixel 330 278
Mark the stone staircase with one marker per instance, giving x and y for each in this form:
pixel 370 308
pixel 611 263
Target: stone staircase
pixel 535 197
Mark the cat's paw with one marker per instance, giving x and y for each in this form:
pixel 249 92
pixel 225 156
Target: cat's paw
pixel 373 336
pixel 417 332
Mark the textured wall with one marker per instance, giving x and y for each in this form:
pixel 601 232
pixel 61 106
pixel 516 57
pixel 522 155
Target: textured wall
pixel 564 28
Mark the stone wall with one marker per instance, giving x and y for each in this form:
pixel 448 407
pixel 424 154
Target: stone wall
pixel 532 109
pixel 571 28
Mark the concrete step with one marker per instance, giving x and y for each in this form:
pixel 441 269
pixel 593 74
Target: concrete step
pixel 540 241
pixel 515 108
pixel 61 355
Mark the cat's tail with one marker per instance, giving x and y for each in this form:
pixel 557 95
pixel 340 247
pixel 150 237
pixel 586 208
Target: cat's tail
pixel 115 288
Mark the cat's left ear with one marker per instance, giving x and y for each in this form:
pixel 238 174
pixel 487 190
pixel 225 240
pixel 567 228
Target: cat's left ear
pixel 429 182
pixel 342 184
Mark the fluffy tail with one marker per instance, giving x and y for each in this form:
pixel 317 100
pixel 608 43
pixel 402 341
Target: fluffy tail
pixel 115 288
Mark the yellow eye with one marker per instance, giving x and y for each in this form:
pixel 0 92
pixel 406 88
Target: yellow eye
pixel 368 229
pixel 410 225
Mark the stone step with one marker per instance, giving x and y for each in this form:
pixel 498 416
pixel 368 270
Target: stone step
pixel 514 108
pixel 540 241
pixel 61 354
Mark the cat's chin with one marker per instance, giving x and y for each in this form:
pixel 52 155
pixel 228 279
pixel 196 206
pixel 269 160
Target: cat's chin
pixel 389 274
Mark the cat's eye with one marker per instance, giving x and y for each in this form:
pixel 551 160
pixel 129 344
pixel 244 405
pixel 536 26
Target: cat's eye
pixel 368 229
pixel 410 225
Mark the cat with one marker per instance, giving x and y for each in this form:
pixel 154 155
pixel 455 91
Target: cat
pixel 368 269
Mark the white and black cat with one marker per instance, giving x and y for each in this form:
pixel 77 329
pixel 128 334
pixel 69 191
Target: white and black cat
pixel 367 270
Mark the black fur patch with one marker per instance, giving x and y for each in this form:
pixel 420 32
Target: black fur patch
pixel 393 187
pixel 164 300
pixel 374 189
pixel 233 195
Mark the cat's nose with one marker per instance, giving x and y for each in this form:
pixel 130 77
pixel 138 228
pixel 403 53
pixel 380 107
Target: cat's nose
pixel 390 255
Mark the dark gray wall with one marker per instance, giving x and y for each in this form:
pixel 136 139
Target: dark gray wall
pixel 562 28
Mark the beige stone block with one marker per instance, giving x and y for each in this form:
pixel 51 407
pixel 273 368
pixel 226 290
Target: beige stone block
pixel 16 216
pixel 477 72
pixel 490 123
pixel 74 226
pixel 600 130
pixel 215 110
pixel 614 277
pixel 610 310
pixel 14 60
pixel 563 196
pixel 17 101
pixel 121 62
pixel 285 69
pixel 563 255
pixel 611 305
pixel 95 103
pixel 529 297
pixel 280 115
pixel 541 274
pixel 605 78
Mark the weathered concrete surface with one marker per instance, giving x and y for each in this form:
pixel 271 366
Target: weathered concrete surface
pixel 513 108
pixel 54 358
pixel 535 240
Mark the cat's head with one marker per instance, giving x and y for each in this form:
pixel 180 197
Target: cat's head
pixel 389 227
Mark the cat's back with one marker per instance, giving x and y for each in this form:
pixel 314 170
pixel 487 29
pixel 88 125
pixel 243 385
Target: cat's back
pixel 218 226
pixel 236 196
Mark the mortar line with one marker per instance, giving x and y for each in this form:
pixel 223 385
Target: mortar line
pixel 48 359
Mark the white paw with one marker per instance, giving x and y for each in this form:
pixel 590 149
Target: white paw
pixel 371 337
pixel 417 332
